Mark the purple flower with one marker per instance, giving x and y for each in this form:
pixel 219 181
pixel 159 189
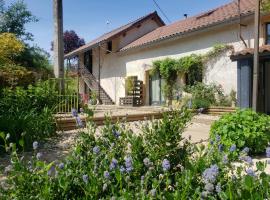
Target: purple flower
pixel 35 145
pixel 166 165
pixel 116 133
pixel 210 174
pixel 122 169
pixel 113 164
pixel 61 166
pixel 218 188
pixel 128 164
pixel 39 156
pixel 51 171
pixel 74 112
pixel 211 142
pixel 220 147
pixel 247 159
pixel 233 148
pixel 245 150
pixel 225 159
pixel 79 122
pixel 250 172
pixel 147 162
pixel 106 175
pixel 267 151
pixel 96 150
pixel 218 138
pixel 209 187
pixel 85 178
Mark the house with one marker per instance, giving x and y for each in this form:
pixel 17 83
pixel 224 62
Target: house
pixel 131 49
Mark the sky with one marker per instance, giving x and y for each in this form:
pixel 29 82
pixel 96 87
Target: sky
pixel 88 18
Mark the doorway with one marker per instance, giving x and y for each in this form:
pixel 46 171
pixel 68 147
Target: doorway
pixel 155 90
pixel 88 61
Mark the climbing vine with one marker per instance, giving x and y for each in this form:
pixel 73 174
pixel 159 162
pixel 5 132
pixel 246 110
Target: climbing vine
pixel 192 66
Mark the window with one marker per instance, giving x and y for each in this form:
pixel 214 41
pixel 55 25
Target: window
pixel 267 36
pixel 109 47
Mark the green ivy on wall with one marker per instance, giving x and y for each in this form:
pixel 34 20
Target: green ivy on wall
pixel 192 66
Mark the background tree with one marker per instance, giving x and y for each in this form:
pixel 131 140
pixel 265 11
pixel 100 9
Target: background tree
pixel 71 41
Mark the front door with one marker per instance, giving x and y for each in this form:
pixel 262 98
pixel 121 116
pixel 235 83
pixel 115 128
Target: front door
pixel 156 94
pixel 88 61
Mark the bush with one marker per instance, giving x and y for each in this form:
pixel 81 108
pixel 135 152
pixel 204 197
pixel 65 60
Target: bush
pixel 28 113
pixel 244 128
pixel 119 164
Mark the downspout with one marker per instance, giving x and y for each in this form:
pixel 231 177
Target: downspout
pixel 99 66
pixel 240 25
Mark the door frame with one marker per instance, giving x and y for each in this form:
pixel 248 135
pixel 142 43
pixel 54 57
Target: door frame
pixel 160 102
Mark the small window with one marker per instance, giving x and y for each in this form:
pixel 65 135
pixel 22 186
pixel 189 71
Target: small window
pixel 109 47
pixel 267 37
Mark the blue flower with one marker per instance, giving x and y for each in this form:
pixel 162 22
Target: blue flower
pixel 113 164
pixel 122 169
pixel 166 165
pixel 128 164
pixel 218 188
pixel 210 174
pixel 61 166
pixel 248 160
pixel 218 138
pixel 35 145
pixel 211 142
pixel 106 175
pixel 51 171
pixel 220 147
pixel 147 162
pixel 116 133
pixel 85 178
pixel 225 159
pixel 233 148
pixel 96 150
pixel 74 112
pixel 79 122
pixel 267 151
pixel 250 172
pixel 245 150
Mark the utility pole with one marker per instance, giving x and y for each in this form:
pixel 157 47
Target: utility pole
pixel 58 42
pixel 256 58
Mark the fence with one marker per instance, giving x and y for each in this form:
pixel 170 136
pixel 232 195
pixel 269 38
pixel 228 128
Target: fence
pixel 66 103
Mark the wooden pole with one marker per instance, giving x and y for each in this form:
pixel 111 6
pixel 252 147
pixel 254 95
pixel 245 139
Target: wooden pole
pixel 99 66
pixel 58 42
pixel 256 58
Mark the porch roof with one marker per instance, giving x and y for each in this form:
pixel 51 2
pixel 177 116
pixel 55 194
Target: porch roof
pixel 248 52
pixel 114 33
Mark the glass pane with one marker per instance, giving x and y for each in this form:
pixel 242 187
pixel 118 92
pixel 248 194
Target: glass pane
pixel 155 89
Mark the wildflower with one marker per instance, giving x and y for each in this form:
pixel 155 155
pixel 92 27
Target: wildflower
pixel 106 175
pixel 79 122
pixel 209 187
pixel 128 163
pixel 147 162
pixel 85 178
pixel 248 160
pixel 210 174
pixel 8 169
pixel 218 138
pixel 39 156
pixel 116 133
pixel 35 145
pixel 122 169
pixel 166 165
pixel 113 164
pixel 220 147
pixel 250 172
pixel 218 188
pixel 104 188
pixel 211 142
pixel 225 159
pixel 8 136
pixel 51 171
pixel 96 150
pixel 245 150
pixel 74 112
pixel 204 194
pixel 61 166
pixel 153 192
pixel 267 152
pixel 233 148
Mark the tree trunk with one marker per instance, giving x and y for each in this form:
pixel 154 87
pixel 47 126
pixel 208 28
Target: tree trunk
pixel 58 42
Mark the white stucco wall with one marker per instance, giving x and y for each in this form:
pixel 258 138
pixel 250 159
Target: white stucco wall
pixel 117 66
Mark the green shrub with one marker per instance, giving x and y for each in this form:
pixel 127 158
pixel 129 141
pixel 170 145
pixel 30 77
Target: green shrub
pixel 244 128
pixel 200 103
pixel 28 112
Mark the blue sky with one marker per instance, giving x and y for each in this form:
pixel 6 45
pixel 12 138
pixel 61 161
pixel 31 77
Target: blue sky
pixel 88 17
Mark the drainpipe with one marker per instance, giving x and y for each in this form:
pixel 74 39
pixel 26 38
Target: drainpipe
pixel 240 24
pixel 256 56
pixel 99 66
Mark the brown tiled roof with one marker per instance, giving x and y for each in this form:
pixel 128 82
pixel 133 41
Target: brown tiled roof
pixel 250 51
pixel 216 16
pixel 115 32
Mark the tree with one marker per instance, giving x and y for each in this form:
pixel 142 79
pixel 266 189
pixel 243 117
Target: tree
pixel 11 47
pixel 71 41
pixel 14 18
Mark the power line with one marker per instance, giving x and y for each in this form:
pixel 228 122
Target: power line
pixel 162 11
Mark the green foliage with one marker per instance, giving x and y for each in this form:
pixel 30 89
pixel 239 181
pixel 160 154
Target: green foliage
pixel 119 164
pixel 14 19
pixel 28 112
pixel 265 6
pixel 244 128
pixel 217 49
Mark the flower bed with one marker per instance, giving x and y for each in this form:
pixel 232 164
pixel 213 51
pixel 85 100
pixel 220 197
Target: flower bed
pixel 120 164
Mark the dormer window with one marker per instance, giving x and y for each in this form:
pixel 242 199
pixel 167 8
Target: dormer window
pixel 109 47
pixel 267 35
